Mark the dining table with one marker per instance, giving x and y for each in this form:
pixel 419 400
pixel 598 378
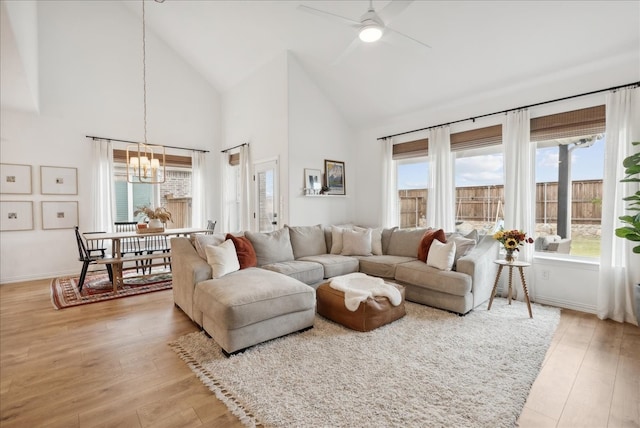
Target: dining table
pixel 117 260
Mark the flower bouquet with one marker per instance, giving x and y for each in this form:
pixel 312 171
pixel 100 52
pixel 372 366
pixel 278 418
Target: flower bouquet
pixel 511 240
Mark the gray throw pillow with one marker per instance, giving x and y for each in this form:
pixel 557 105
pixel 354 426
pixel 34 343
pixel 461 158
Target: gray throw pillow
pixel 273 247
pixel 307 240
pixel 404 242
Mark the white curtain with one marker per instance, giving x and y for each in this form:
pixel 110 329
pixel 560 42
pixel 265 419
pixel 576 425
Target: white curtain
pixel 103 188
pixel 245 188
pixel 198 194
pixel 441 198
pixel 389 201
pixel 519 185
pixel 619 267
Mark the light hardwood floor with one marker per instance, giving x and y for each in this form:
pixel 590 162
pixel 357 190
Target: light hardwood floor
pixel 108 364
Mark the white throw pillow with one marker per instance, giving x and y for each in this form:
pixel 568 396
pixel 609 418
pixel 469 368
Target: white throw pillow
pixel 376 240
pixel 336 238
pixel 441 255
pixel 222 258
pixel 356 242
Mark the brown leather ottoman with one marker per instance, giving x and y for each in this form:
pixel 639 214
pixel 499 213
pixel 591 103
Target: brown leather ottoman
pixel 371 314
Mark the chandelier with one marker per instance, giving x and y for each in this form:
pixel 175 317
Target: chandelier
pixel 145 163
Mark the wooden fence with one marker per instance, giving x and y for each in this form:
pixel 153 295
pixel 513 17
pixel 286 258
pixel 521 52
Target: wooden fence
pixel 485 203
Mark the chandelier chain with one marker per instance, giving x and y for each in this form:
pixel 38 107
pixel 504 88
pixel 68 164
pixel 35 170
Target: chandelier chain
pixel 144 72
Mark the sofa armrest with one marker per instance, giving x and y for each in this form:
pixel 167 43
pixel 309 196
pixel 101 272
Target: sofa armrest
pixel 479 264
pixel 188 269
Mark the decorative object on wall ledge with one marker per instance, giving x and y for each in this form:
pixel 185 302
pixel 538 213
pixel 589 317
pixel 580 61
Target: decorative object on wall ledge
pixel 334 176
pixel 312 181
pixel 57 180
pixel 144 161
pixel 16 215
pixel 59 215
pixel 16 179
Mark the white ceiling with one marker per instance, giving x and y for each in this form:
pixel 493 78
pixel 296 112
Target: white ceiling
pixel 477 46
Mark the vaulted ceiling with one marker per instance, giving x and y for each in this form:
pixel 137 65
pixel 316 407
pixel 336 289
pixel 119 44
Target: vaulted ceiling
pixel 477 47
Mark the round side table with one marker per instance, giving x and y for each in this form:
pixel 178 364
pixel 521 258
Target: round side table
pixel 517 264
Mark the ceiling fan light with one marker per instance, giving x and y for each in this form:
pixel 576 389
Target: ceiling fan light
pixel 370 33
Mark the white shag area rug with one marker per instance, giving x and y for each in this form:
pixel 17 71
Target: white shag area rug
pixel 430 368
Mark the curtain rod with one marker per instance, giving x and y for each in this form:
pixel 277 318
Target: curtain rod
pixel 135 142
pixel 635 84
pixel 234 147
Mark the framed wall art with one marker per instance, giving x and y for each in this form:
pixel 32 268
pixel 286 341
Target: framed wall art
pixel 16 215
pixel 59 215
pixel 334 177
pixel 56 180
pixel 312 181
pixel 16 179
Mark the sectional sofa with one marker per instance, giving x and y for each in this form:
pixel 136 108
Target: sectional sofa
pixel 277 296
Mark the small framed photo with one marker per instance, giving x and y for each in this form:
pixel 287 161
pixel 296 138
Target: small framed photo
pixel 334 176
pixel 312 181
pixel 55 180
pixel 16 215
pixel 59 215
pixel 16 179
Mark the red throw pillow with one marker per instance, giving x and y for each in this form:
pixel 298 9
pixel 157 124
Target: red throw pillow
pixel 246 254
pixel 427 240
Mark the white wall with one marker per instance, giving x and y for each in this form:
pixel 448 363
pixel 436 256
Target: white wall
pixel 90 68
pixel 316 132
pixel 255 112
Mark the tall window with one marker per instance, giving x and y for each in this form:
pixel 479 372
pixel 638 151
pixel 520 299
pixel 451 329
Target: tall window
pixel 412 180
pixel 174 193
pixel 569 174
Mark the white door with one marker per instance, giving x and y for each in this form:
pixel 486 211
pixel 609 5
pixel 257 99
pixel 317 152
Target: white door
pixel 265 179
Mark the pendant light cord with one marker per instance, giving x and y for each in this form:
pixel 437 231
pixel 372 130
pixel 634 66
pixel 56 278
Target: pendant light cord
pixel 144 73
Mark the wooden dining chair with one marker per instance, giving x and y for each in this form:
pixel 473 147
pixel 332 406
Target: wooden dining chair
pixel 129 245
pixel 156 244
pixel 89 252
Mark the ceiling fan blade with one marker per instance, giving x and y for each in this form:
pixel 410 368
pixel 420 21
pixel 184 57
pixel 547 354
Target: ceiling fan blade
pixel 393 9
pixel 408 37
pixel 347 51
pixel 326 14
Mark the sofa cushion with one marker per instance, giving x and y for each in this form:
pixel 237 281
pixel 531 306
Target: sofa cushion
pixel 246 254
pixel 250 296
pixel 222 259
pixel 307 272
pixel 427 239
pixel 382 266
pixel 441 255
pixel 404 242
pixel 271 247
pixel 334 264
pixel 336 237
pixel 463 247
pixel 419 274
pixel 201 240
pixel 356 242
pixel 376 239
pixel 307 240
pixel 386 237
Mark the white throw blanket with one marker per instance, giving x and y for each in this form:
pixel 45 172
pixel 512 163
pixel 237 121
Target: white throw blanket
pixel 357 287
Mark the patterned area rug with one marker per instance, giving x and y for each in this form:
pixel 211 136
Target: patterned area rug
pixel 97 288
pixel 428 369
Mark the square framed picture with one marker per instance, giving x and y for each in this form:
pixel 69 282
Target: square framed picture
pixel 334 175
pixel 312 181
pixel 59 215
pixel 16 179
pixel 56 180
pixel 16 215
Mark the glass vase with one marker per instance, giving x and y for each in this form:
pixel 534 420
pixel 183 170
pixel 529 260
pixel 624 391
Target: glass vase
pixel 510 256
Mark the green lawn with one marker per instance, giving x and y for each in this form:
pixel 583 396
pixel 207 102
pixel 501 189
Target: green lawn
pixel 588 246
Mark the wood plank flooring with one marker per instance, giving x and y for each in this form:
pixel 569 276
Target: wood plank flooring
pixel 108 364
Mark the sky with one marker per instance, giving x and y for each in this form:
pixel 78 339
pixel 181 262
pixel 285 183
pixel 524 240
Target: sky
pixel 484 170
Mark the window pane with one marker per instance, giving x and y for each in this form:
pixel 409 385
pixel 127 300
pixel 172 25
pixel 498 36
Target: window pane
pixel 479 181
pixel 413 180
pixel 569 175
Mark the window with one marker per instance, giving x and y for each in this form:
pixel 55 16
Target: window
pixel 569 174
pixel 479 178
pixel 174 193
pixel 413 181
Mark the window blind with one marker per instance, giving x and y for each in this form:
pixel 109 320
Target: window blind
pixel 171 160
pixel 411 149
pixel 575 123
pixel 476 138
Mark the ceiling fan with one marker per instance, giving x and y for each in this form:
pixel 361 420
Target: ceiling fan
pixel 371 26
